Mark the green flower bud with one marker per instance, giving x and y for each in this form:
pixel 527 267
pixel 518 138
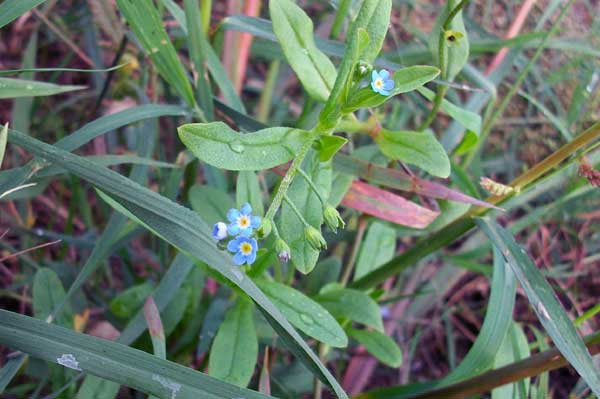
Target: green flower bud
pixel 315 238
pixel 362 69
pixel 283 250
pixel 333 218
pixel 265 229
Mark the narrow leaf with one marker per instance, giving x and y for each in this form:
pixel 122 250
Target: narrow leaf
pixel 352 304
pixel 377 248
pixel 248 190
pixel 15 88
pixel 541 296
pixel 379 345
pixel 13 9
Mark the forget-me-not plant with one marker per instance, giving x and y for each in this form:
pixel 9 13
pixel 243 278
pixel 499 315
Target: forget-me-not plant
pixel 381 82
pixel 241 226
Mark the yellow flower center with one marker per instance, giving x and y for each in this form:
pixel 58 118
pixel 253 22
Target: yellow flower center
pixel 246 248
pixel 244 221
pixel 379 83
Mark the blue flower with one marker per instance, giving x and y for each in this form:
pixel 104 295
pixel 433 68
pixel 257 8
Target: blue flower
pixel 381 82
pixel 244 249
pixel 219 231
pixel 242 221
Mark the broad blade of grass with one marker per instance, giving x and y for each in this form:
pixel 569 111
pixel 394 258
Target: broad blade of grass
pixel 185 230
pixel 3 141
pixel 15 88
pixel 146 23
pixel 541 296
pixel 10 369
pixel 112 361
pixel 13 9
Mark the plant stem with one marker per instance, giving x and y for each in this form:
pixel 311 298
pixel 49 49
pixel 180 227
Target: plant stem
pixel 458 228
pixel 205 12
pixel 340 15
pixel 296 210
pixel 443 65
pixel 287 180
pixel 360 232
pixel 266 97
pixel 312 186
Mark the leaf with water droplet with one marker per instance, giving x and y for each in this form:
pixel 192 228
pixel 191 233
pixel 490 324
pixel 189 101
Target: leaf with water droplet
pixel 219 145
pixel 300 310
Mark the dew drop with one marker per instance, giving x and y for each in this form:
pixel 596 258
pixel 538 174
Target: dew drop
pixel 237 273
pixel 236 146
pixel 306 318
pixel 305 51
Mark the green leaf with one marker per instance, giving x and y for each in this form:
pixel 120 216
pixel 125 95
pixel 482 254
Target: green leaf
pixel 10 369
pixel 374 17
pixel 498 319
pixel 417 148
pixel 248 190
pixel 541 296
pixel 303 256
pixel 456 55
pixel 198 46
pixel 146 23
pixel 14 88
pixel 235 348
pixel 210 203
pixel 405 79
pixel 304 313
pixel 514 348
pixel 371 23
pixel 329 145
pixel 48 291
pixel 468 119
pixel 13 9
pixel 219 145
pixel 112 361
pixel 3 141
pixel 352 304
pixel 379 345
pixel 294 31
pixel 378 248
pixel 129 301
pixel 184 229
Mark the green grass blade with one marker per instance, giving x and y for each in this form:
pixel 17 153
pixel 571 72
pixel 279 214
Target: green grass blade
pixel 112 361
pixel 15 88
pixel 13 9
pixel 3 141
pixel 184 229
pixel 146 23
pixel 541 296
pixel 10 370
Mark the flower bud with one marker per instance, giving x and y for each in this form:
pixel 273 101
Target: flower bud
pixel 283 250
pixel 333 218
pixel 315 238
pixel 265 229
pixel 362 69
pixel 219 231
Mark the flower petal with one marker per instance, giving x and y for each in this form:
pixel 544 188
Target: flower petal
pixel 384 92
pixel 246 209
pixel 233 245
pixel 233 215
pixel 245 232
pixel 251 258
pixel 388 84
pixel 374 75
pixel 254 244
pixel 384 74
pixel 375 89
pixel 239 259
pixel 233 229
pixel 255 222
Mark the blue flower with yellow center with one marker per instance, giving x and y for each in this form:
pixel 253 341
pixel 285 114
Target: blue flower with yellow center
pixel 381 82
pixel 244 249
pixel 242 222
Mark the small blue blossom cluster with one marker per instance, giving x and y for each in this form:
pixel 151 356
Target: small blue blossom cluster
pixel 381 82
pixel 242 224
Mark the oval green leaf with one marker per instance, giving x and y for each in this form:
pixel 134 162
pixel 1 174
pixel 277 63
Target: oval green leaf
pixel 219 145
pixel 294 31
pixel 417 148
pixel 305 314
pixel 379 345
pixel 352 304
pixel 234 351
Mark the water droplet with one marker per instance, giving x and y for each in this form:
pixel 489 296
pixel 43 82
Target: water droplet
pixel 306 318
pixel 237 146
pixel 29 87
pixel 305 51
pixel 237 273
